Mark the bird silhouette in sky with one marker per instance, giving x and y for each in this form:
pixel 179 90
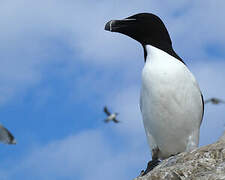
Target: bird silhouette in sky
pixel 111 116
pixel 5 136
pixel 214 101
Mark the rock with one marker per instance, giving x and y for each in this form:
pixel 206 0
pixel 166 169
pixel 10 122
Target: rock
pixel 204 163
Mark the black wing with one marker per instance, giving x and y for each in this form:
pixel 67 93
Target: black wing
pixel 217 100
pixel 106 111
pixel 214 101
pixel 115 120
pixel 203 107
pixel 5 136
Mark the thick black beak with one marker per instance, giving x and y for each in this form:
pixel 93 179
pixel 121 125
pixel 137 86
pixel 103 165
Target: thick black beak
pixel 118 25
pixel 109 25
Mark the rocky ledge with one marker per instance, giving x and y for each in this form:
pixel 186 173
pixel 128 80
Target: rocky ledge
pixel 204 163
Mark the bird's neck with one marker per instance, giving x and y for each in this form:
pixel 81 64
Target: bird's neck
pixel 153 51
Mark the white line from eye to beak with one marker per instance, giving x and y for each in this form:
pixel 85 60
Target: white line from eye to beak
pixel 110 25
pixel 129 19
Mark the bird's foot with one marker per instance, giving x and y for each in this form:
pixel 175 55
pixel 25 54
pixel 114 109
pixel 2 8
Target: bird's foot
pixel 151 165
pixel 142 173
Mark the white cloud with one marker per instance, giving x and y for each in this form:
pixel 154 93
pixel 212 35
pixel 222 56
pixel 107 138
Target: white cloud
pixel 27 27
pixel 97 154
pixel 81 156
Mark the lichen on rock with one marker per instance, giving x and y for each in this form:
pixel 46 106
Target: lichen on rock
pixel 204 163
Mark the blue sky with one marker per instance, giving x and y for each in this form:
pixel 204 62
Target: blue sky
pixel 58 68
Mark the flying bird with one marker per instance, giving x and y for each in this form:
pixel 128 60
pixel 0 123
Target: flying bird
pixel 111 117
pixel 171 102
pixel 214 101
pixel 5 136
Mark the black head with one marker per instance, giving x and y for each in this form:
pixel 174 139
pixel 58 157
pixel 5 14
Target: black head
pixel 146 28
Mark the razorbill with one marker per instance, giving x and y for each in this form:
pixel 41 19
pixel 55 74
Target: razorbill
pixel 171 102
pixel 111 116
pixel 214 101
pixel 5 136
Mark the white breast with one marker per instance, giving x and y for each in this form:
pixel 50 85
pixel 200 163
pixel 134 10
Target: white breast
pixel 171 103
